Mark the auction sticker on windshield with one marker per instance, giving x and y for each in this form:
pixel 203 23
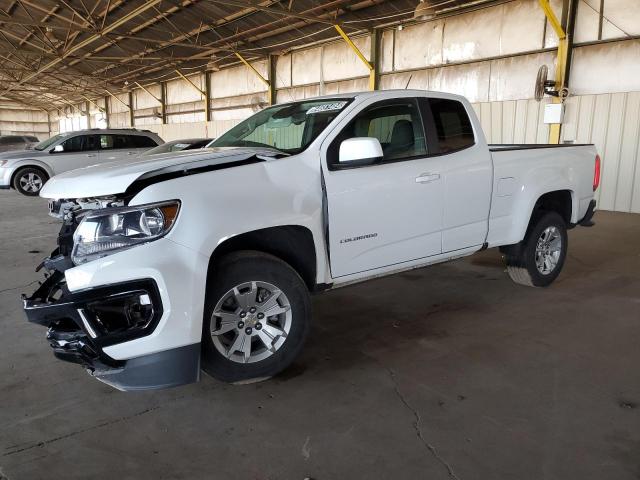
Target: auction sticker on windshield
pixel 327 107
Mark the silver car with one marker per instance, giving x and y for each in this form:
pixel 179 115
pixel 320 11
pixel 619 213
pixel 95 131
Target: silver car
pixel 27 171
pixel 17 142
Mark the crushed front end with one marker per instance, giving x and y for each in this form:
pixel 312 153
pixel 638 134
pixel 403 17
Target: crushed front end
pixel 85 321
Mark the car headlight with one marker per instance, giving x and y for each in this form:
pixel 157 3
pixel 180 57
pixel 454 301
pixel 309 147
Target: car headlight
pixel 107 231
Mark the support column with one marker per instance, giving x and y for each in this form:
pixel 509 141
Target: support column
pixel 374 79
pixel 207 96
pixel 132 119
pixel 271 67
pixel 163 102
pixel 564 31
pixel 356 50
pixel 87 108
pixel 106 111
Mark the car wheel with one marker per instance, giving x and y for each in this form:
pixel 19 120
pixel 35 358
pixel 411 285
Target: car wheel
pixel 257 317
pixel 538 259
pixel 29 181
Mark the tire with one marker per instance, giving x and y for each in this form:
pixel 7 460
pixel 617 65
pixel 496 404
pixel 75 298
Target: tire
pixel 29 181
pixel 526 263
pixel 234 316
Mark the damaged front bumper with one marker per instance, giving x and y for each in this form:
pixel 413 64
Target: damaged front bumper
pixel 83 323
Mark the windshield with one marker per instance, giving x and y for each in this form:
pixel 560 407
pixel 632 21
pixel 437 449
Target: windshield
pixel 46 143
pixel 289 128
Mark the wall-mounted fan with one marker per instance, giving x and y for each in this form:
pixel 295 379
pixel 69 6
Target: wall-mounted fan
pixel 544 86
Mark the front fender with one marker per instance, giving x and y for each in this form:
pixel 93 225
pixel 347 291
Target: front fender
pixel 222 204
pixel 29 162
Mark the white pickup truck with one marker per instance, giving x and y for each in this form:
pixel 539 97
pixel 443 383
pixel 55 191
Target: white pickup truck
pixel 206 260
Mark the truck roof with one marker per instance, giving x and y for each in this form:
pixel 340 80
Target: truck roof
pixel 392 93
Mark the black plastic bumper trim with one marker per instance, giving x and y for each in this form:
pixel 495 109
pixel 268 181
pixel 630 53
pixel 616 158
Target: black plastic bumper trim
pixel 43 309
pixel 171 368
pixel 587 219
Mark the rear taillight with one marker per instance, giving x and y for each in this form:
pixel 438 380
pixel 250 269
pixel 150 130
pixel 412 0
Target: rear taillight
pixel 596 174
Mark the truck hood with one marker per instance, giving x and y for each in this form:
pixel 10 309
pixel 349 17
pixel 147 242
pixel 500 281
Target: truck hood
pixel 114 178
pixel 22 154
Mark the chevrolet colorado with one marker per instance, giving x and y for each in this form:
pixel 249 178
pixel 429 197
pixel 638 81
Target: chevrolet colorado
pixel 206 259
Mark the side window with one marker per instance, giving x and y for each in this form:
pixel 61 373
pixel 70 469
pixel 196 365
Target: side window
pixel 395 123
pixel 123 141
pixel 91 142
pixel 106 142
pixel 140 141
pixel 452 124
pixel 73 144
pixel 109 142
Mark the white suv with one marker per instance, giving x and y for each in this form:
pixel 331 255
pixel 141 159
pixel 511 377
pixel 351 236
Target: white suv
pixel 27 171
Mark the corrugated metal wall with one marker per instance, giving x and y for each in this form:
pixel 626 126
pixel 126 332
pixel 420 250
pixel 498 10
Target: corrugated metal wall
pixel 610 121
pixel 514 121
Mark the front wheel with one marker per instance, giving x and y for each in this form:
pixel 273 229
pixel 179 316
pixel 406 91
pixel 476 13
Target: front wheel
pixel 29 181
pixel 538 259
pixel 257 316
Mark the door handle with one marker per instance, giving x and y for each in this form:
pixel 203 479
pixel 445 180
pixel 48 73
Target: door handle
pixel 428 178
pixel 131 153
pixel 91 155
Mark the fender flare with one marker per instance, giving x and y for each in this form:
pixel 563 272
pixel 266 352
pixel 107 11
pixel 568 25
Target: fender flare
pixel 30 162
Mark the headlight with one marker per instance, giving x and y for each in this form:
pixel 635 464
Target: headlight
pixel 107 231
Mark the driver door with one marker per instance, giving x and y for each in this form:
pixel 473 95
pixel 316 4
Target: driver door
pixel 389 212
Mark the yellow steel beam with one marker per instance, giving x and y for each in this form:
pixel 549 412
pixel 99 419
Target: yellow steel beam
pixel 156 98
pixel 561 62
pixel 123 103
pixel 553 20
pixel 243 60
pixel 356 50
pixel 101 109
pixel 191 83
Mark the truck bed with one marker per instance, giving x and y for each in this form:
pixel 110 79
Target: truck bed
pixel 523 173
pixel 494 147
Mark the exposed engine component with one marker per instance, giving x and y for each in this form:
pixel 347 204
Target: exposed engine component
pixel 63 208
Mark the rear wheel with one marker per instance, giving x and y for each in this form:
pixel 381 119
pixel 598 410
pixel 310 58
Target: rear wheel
pixel 257 316
pixel 538 259
pixel 29 181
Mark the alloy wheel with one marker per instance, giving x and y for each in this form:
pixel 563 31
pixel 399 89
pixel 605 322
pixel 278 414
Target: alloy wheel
pixel 251 322
pixel 31 182
pixel 548 250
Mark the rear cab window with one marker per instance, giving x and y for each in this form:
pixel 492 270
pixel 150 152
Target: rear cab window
pixel 449 125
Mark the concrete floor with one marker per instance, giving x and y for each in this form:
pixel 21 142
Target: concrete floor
pixel 446 372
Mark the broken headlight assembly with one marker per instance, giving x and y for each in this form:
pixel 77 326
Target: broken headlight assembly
pixel 107 231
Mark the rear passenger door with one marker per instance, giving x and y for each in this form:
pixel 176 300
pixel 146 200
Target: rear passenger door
pixel 116 147
pixel 77 152
pixel 466 170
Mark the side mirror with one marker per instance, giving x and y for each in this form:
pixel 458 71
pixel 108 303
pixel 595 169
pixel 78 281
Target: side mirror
pixel 359 151
pixel 57 149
